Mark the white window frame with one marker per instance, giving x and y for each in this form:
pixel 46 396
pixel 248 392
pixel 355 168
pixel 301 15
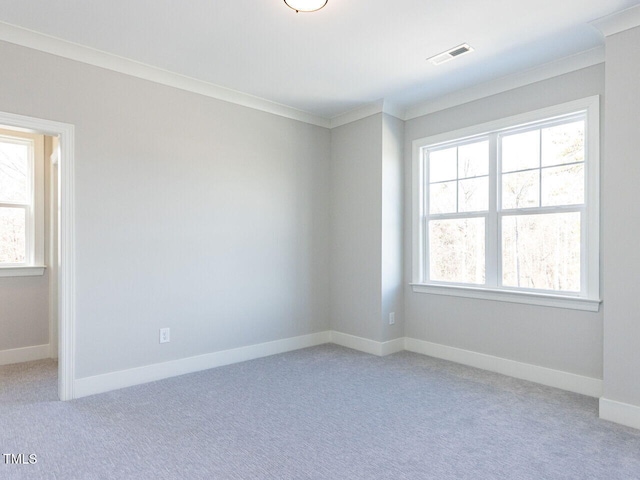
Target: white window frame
pixel 589 298
pixel 34 260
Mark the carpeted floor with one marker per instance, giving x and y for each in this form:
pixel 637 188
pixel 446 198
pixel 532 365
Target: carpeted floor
pixel 320 413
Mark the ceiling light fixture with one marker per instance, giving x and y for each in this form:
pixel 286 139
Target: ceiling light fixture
pixel 306 5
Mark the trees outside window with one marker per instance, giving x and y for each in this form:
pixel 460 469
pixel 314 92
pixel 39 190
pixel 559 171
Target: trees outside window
pixel 513 208
pixel 21 199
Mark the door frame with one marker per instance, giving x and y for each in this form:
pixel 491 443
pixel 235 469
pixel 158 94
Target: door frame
pixel 66 240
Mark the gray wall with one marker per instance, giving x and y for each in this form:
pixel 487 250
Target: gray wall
pixel 621 219
pixel 356 222
pixel 191 213
pixel 24 311
pixel 235 227
pixel 561 339
pixel 392 226
pixel 366 227
pixel 24 301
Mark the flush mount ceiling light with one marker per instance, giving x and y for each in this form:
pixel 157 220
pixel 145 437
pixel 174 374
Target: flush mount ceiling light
pixel 306 5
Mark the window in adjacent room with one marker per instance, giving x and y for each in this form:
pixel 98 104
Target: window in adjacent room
pixel 509 210
pixel 21 203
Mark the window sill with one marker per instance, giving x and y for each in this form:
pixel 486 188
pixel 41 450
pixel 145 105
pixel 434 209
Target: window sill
pixel 20 271
pixel 530 298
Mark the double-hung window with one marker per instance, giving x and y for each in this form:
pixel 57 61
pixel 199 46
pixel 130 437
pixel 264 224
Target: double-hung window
pixel 21 204
pixel 509 210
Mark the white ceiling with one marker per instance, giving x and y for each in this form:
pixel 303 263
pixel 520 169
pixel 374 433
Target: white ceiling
pixel 351 53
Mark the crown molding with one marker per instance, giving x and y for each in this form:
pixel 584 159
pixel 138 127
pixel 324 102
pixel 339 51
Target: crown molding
pixel 548 70
pixel 618 22
pixel 393 109
pixel 356 114
pixel 98 58
pixel 73 51
pixel 373 108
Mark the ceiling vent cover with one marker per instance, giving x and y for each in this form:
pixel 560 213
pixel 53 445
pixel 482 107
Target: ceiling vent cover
pixel 451 54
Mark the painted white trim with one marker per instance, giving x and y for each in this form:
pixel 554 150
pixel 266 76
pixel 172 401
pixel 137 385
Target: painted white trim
pixel 379 106
pixel 525 371
pixel 25 354
pixel 31 271
pixel 520 79
pixel 589 298
pixel 618 412
pixel 366 345
pixel 357 114
pixel 52 246
pixel 66 262
pixel 73 51
pixel 62 48
pixel 590 104
pixel 546 71
pixel 391 108
pixel 33 206
pixel 528 298
pixel 392 346
pixel 66 270
pixel 150 373
pixel 618 22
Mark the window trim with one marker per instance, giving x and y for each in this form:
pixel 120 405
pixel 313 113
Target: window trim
pixel 590 299
pixel 34 261
pixel 22 271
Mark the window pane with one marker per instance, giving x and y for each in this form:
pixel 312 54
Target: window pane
pixel 541 251
pixel 563 185
pixel 456 250
pixel 563 144
pixel 13 172
pixel 473 160
pixel 521 190
pixel 442 197
pixel 473 194
pixel 12 235
pixel 443 165
pixel 521 151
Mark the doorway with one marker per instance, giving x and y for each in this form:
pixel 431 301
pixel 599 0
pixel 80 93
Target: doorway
pixel 64 269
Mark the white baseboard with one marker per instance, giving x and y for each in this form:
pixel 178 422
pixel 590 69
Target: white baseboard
pixel 26 354
pixel 135 376
pixel 367 346
pixel 126 378
pixel 392 346
pixel 525 371
pixel 618 412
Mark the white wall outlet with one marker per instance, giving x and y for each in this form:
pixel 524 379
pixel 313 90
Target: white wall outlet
pixel 165 335
pixel 392 318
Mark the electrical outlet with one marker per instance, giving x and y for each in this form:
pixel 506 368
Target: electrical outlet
pixel 392 318
pixel 165 335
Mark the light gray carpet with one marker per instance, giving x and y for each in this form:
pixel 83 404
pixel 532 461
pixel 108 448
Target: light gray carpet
pixel 320 413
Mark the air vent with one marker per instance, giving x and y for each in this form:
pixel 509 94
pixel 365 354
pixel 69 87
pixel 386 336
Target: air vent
pixel 450 54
